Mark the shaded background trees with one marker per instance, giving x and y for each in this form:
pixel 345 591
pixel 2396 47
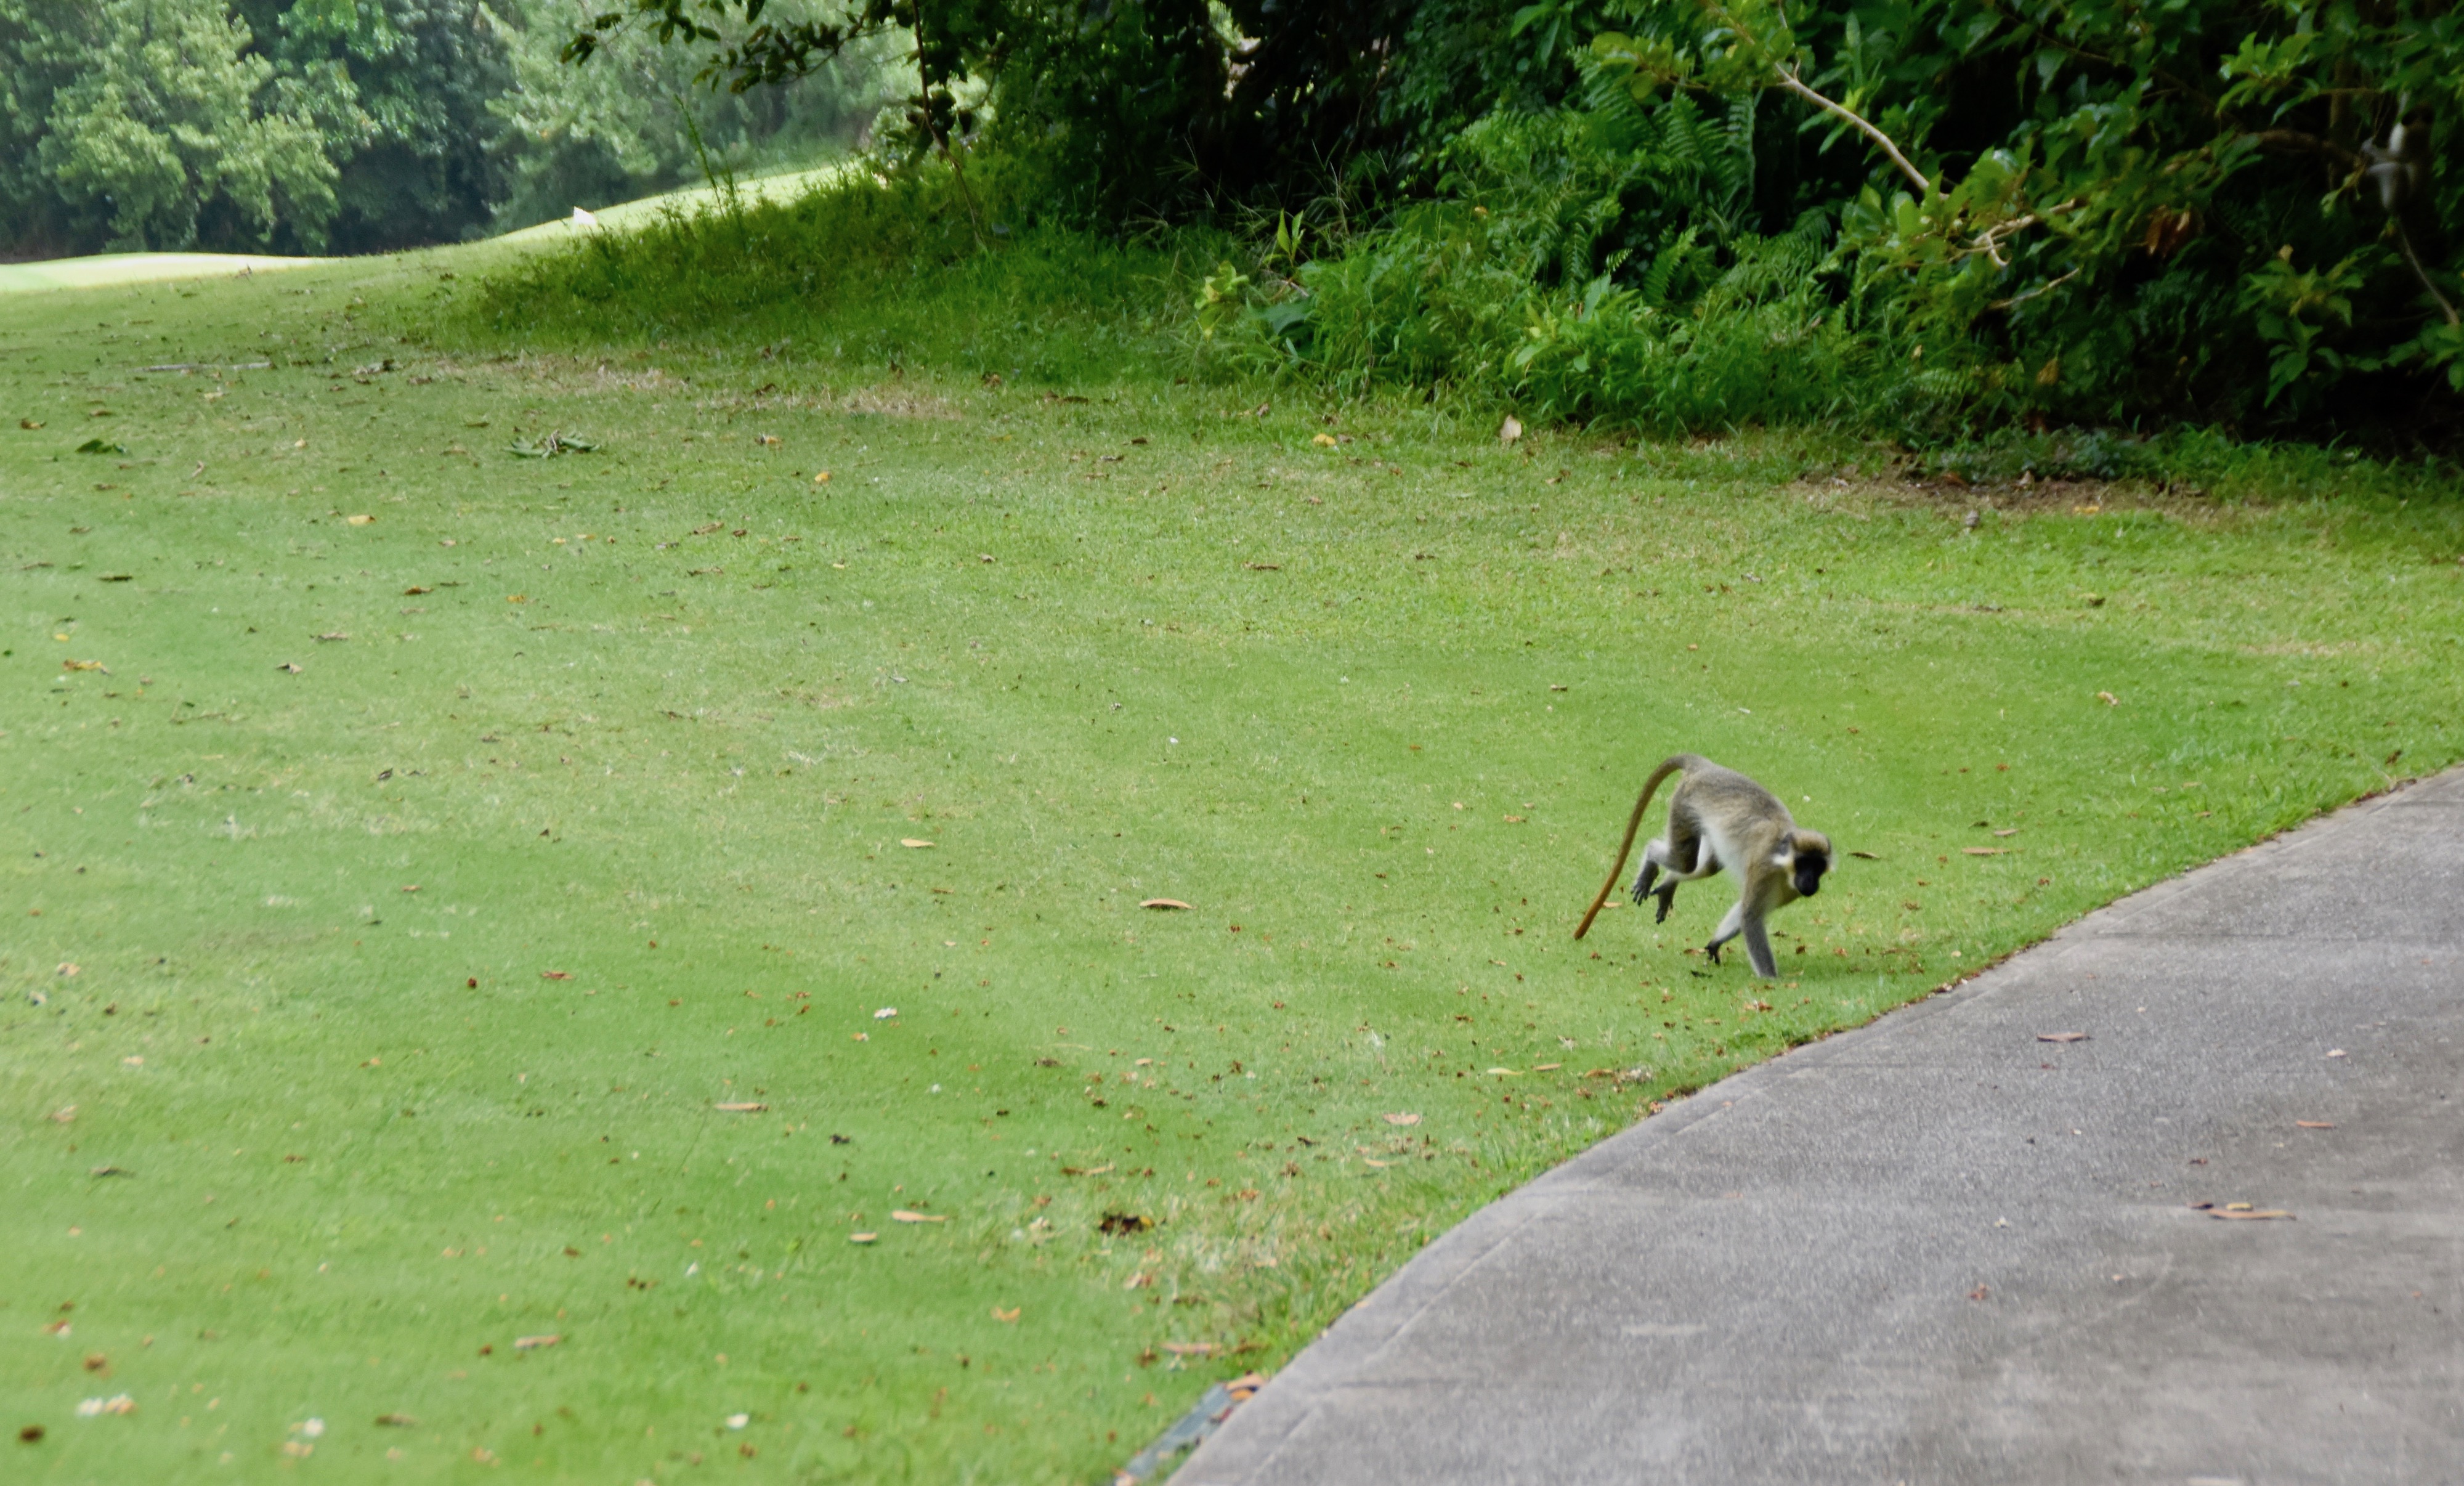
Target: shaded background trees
pixel 359 126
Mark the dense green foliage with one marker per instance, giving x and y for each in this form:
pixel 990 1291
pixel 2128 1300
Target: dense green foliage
pixel 1936 214
pixel 1944 216
pixel 356 125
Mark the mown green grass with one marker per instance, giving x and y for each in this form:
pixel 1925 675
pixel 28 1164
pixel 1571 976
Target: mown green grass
pixel 340 1136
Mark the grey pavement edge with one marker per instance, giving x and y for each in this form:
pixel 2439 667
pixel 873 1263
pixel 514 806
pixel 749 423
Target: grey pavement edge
pixel 1939 1249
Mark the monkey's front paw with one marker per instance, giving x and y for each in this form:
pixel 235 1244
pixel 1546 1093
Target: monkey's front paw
pixel 1712 953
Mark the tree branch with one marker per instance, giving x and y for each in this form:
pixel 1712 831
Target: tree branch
pixel 2047 287
pixel 1789 79
pixel 2403 240
pixel 2292 142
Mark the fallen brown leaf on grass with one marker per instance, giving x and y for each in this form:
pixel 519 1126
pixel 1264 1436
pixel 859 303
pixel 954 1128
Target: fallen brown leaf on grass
pixel 1191 1348
pixel 1401 1119
pixel 1010 1315
pixel 739 1109
pixel 902 1215
pixel 2243 1211
pixel 1087 1170
pixel 1551 1068
pixel 1162 902
pixel 1117 1222
pixel 1988 851
pixel 1865 857
pixel 397 1421
pixel 85 665
pixel 555 975
pixel 2061 1036
pixel 535 1343
pixel 361 520
pixel 862 1238
pixel 912 842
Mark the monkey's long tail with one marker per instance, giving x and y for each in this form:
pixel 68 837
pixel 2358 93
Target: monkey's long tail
pixel 1671 765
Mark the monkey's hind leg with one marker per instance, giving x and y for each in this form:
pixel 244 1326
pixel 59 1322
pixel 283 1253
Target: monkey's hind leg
pixel 1682 854
pixel 1649 875
pixel 1654 856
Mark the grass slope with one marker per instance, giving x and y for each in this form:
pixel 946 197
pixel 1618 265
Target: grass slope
pixel 105 270
pixel 414 851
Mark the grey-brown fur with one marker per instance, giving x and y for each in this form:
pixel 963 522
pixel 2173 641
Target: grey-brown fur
pixel 1720 819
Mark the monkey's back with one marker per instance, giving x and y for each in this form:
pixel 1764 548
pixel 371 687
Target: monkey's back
pixel 1710 796
pixel 1723 792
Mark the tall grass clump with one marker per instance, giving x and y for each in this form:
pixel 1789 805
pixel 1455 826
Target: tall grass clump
pixel 886 269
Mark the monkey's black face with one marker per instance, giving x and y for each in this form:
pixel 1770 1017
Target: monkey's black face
pixel 1810 868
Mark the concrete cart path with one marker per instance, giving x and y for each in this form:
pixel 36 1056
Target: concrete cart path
pixel 1942 1250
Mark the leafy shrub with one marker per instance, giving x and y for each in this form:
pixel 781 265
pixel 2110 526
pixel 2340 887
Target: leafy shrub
pixel 1594 266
